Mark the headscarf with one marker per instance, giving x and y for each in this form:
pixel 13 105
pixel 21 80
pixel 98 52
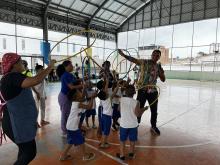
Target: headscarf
pixel 8 60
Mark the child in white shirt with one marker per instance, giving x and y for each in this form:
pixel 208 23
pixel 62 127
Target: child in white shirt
pixel 40 96
pixel 130 110
pixel 91 112
pixel 105 97
pixel 116 108
pixel 74 135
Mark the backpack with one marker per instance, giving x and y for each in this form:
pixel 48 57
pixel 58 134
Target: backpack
pixel 2 106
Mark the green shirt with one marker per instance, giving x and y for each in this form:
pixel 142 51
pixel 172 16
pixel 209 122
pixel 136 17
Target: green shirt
pixel 27 73
pixel 149 74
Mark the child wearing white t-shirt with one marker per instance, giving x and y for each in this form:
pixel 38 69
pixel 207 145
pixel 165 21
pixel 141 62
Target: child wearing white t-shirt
pixel 130 110
pixel 91 112
pixel 100 86
pixel 40 96
pixel 74 135
pixel 116 109
pixel 105 97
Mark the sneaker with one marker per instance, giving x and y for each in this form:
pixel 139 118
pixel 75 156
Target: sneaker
pixel 155 130
pixel 104 145
pixel 63 135
pixel 131 155
pixel 89 156
pixel 117 124
pixel 120 157
pixel 114 128
pixel 107 145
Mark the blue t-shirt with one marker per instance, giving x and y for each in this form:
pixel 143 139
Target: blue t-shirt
pixel 67 78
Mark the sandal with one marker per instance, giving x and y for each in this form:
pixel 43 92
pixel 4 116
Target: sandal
pixel 120 157
pixel 38 125
pixel 43 122
pixel 104 145
pixel 131 155
pixel 67 157
pixel 89 156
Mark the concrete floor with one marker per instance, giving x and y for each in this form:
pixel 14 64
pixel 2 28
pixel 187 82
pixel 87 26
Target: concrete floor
pixel 189 120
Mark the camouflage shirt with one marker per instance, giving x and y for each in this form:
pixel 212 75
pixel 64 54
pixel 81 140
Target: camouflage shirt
pixel 149 72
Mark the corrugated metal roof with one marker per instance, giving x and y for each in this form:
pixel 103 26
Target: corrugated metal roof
pixel 113 12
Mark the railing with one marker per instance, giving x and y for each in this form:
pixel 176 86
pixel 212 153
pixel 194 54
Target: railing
pixel 210 70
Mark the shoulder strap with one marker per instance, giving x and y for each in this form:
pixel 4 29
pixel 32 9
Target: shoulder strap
pixel 2 96
pixel 1 91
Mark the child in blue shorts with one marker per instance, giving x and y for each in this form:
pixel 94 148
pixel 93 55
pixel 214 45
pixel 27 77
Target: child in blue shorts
pixel 105 97
pixel 91 112
pixel 100 87
pixel 130 109
pixel 74 135
pixel 115 106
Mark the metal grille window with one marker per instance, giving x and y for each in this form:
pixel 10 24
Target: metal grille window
pixel 23 44
pixel 58 48
pixel 4 43
pixel 74 47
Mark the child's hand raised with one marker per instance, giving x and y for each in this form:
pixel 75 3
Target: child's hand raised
pixel 96 91
pixel 94 95
pixel 128 80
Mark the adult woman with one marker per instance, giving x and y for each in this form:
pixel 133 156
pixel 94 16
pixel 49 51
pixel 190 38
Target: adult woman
pixel 20 113
pixel 68 82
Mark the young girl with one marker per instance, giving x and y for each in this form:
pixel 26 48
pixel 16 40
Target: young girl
pixel 130 110
pixel 40 100
pixel 74 135
pixel 105 71
pixel 115 105
pixel 105 99
pixel 68 82
pixel 100 87
pixel 91 112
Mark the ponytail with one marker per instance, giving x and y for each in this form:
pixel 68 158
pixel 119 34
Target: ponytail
pixel 61 68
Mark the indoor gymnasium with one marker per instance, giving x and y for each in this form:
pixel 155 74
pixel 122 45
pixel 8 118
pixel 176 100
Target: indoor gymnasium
pixel 131 82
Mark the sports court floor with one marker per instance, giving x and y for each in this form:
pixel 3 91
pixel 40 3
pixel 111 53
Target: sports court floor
pixel 189 120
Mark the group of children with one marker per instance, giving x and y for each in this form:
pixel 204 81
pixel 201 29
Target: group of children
pixel 116 101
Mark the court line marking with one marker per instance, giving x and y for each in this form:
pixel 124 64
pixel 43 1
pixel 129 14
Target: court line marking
pixel 160 147
pixel 169 147
pixel 106 154
pixel 182 114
